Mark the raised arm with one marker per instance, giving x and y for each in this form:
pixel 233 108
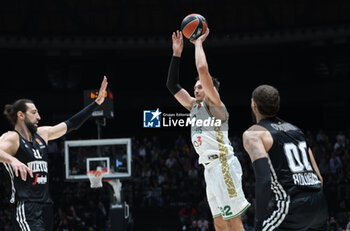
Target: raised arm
pixel 172 83
pixel 255 141
pixel 203 71
pixel 73 123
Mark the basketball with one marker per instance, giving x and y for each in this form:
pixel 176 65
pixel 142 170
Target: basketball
pixel 193 26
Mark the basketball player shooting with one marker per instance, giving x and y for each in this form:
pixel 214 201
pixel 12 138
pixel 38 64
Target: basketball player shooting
pixel 285 170
pixel 223 171
pixel 24 152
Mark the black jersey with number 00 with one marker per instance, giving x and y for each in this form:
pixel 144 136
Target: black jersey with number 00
pixel 34 155
pixel 289 156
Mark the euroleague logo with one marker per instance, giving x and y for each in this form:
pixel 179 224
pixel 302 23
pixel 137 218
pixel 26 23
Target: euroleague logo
pixel 41 145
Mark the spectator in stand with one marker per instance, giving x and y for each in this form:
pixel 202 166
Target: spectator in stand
pixel 333 225
pixel 142 151
pixel 170 161
pixel 335 163
pixel 180 141
pixel 187 215
pixel 321 137
pixel 72 217
pixel 194 226
pixel 101 215
pixel 348 225
pixel 203 224
pixel 324 167
pixel 340 141
pixel 193 173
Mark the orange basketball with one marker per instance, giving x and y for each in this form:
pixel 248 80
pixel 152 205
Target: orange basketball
pixel 193 26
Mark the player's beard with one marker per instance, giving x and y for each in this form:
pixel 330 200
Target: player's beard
pixel 253 117
pixel 30 126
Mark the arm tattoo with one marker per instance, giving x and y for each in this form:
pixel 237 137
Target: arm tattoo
pixel 252 143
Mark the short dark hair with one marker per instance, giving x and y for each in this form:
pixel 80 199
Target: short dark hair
pixel 11 110
pixel 267 98
pixel 216 82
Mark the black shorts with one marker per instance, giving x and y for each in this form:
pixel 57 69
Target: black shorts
pixel 306 211
pixel 32 216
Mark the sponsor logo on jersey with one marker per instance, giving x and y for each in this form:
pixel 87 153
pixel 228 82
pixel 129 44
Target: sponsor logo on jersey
pixel 38 166
pixel 40 179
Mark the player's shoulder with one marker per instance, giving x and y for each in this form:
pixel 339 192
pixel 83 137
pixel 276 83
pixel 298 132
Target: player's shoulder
pixel 9 136
pixel 9 142
pixel 255 130
pixel 256 133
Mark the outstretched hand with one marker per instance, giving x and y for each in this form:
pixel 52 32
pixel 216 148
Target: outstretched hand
pixel 178 43
pixel 101 94
pixel 201 38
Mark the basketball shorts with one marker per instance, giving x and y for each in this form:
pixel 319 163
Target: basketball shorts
pixel 307 211
pixel 225 195
pixel 32 216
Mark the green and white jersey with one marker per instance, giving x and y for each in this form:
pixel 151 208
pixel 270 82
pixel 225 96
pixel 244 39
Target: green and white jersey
pixel 209 135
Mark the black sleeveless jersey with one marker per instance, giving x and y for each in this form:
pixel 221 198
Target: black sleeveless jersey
pixel 290 162
pixel 34 155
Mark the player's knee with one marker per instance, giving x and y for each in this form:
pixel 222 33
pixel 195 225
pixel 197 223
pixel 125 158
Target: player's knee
pixel 220 225
pixel 235 224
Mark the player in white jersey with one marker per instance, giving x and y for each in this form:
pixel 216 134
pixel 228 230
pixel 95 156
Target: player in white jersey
pixel 209 134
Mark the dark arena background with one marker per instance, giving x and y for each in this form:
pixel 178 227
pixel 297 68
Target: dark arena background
pixel 51 51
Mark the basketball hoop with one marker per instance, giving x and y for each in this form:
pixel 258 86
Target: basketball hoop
pixel 95 177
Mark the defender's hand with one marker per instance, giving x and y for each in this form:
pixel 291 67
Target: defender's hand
pixel 101 94
pixel 178 43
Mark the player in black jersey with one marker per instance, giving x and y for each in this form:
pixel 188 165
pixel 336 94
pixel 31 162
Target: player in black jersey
pixel 285 170
pixel 24 151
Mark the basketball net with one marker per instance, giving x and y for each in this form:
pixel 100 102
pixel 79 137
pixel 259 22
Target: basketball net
pixel 95 177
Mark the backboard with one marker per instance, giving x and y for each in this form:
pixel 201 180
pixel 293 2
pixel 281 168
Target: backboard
pixel 82 156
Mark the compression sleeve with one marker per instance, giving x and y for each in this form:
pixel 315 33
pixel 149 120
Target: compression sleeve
pixel 173 75
pixel 262 190
pixel 78 119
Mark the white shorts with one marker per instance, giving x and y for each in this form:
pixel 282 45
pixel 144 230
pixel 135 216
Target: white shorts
pixel 224 187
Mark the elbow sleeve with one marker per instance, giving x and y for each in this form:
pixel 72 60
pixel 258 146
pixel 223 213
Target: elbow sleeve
pixel 263 190
pixel 173 76
pixel 78 119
